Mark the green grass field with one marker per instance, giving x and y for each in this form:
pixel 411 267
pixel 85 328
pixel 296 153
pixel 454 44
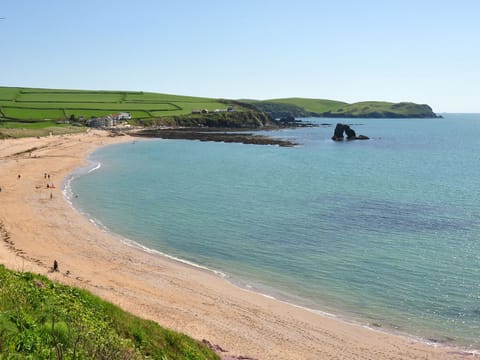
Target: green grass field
pixel 311 105
pixel 50 104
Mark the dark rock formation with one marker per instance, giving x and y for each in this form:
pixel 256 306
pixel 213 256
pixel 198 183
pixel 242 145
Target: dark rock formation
pixel 351 135
pixel 289 119
pixel 338 132
pixel 362 137
pixel 218 135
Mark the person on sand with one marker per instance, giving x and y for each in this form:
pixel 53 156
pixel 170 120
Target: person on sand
pixel 19 176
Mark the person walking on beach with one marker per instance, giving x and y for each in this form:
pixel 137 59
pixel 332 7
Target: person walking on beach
pixel 19 176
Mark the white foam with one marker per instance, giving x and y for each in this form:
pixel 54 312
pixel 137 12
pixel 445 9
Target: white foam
pixel 171 257
pixel 98 166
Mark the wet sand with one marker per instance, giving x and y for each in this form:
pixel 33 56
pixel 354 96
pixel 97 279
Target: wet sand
pixel 38 226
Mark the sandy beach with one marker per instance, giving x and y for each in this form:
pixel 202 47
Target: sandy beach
pixel 38 226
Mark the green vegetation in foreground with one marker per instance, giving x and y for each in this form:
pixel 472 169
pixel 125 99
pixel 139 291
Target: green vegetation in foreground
pixel 300 107
pixel 41 319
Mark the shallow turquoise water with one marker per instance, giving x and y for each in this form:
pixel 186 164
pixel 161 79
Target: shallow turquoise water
pixel 385 231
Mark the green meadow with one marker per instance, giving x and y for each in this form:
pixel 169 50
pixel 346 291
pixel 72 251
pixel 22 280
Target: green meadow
pixel 311 105
pixel 31 105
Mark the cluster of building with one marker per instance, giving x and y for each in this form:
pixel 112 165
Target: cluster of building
pixel 205 111
pixel 109 121
pixel 120 119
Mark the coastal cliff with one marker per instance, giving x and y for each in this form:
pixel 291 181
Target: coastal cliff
pixel 251 119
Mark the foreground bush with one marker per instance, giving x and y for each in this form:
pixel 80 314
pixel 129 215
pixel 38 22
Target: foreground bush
pixel 41 319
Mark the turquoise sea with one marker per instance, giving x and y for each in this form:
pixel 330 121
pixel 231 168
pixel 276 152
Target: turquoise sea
pixel 385 232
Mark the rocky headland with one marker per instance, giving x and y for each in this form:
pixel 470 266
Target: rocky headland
pixel 231 127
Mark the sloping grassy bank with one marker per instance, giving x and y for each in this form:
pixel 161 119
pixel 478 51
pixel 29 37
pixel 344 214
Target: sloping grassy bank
pixel 41 319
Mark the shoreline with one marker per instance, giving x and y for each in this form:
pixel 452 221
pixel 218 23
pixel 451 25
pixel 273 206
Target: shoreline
pixel 175 294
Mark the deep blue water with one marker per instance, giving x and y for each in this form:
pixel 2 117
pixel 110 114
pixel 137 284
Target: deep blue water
pixel 384 231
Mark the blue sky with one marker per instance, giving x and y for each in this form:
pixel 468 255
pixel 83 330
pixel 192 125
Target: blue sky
pixel 422 51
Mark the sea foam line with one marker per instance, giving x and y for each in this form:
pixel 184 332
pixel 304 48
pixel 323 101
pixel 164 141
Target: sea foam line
pixel 68 194
pixel 98 166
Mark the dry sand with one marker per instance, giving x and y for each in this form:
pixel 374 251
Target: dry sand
pixel 35 230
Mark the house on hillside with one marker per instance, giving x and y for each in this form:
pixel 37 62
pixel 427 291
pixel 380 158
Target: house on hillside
pixel 124 116
pixel 102 122
pixel 121 116
pixel 228 109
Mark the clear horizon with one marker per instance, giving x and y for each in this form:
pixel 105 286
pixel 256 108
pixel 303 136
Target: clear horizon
pixel 423 52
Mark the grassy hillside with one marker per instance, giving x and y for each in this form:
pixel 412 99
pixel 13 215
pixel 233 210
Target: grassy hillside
pixel 42 319
pixel 379 109
pixel 24 104
pixel 300 107
pixel 311 105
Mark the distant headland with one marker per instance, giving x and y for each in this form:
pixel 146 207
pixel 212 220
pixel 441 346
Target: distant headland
pixel 302 107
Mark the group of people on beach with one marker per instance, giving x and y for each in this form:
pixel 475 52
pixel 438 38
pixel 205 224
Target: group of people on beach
pixel 45 176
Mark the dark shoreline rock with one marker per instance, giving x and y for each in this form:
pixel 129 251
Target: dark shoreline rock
pixel 224 135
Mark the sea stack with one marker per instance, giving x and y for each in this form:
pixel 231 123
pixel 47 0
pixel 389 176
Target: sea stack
pixel 351 135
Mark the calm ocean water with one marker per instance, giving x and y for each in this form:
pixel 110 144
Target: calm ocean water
pixel 384 231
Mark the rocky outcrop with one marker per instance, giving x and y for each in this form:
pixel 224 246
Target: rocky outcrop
pixel 233 120
pixel 216 135
pixel 222 352
pixel 340 129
